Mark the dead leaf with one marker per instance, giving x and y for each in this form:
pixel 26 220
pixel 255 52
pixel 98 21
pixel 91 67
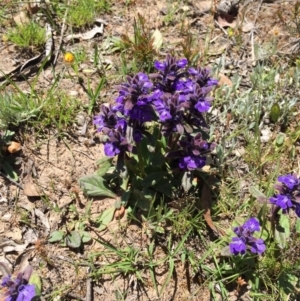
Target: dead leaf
pixel 44 220
pixel 15 234
pixel 157 40
pixel 224 80
pixel 87 35
pixel 206 202
pixel 14 147
pixel 29 187
pixel 10 246
pixel 30 236
pixel 32 9
pixel 226 20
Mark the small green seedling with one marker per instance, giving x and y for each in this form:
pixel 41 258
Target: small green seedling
pixel 73 239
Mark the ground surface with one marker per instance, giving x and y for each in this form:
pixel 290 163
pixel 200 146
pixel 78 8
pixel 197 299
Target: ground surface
pixel 52 161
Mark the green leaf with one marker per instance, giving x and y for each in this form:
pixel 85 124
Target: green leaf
pixel 153 178
pixel 260 196
pixel 9 171
pixel 187 181
pixel 121 167
pixel 103 168
pixel 105 218
pixel 287 284
pixel 142 200
pixel 85 236
pixel 275 112
pixel 284 222
pixel 280 238
pixel 143 151
pixel 298 225
pixel 93 185
pixel 36 280
pixel 73 240
pixel 104 159
pixel 56 236
pixel 280 139
pixel 125 197
pixel 164 187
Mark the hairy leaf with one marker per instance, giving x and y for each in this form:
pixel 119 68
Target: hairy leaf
pixel 93 185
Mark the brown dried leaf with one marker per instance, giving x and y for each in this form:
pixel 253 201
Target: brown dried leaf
pixel 206 201
pixel 29 187
pixel 226 20
pixel 224 80
pixel 10 245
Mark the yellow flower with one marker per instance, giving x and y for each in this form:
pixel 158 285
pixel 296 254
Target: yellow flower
pixel 69 58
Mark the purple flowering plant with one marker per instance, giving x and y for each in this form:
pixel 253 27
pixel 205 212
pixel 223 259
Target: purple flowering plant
pixel 287 194
pixel 245 240
pixel 26 286
pixel 157 131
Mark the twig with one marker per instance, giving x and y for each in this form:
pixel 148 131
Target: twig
pixel 89 288
pixel 61 34
pixel 74 296
pixel 11 180
pixel 221 27
pixel 252 47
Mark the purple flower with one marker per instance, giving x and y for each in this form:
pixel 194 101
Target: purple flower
pixel 288 193
pixel 136 90
pixel 201 76
pixel 237 246
pixel 192 162
pixel 257 246
pixel 18 289
pixel 141 113
pixel 137 136
pixel 171 113
pixel 289 180
pixel 160 65
pixel 107 119
pixel 192 152
pixel 169 73
pixel 245 238
pixel 202 105
pixel 117 142
pixel 212 82
pixel 111 149
pixel 252 224
pixel 282 201
pixel 182 63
